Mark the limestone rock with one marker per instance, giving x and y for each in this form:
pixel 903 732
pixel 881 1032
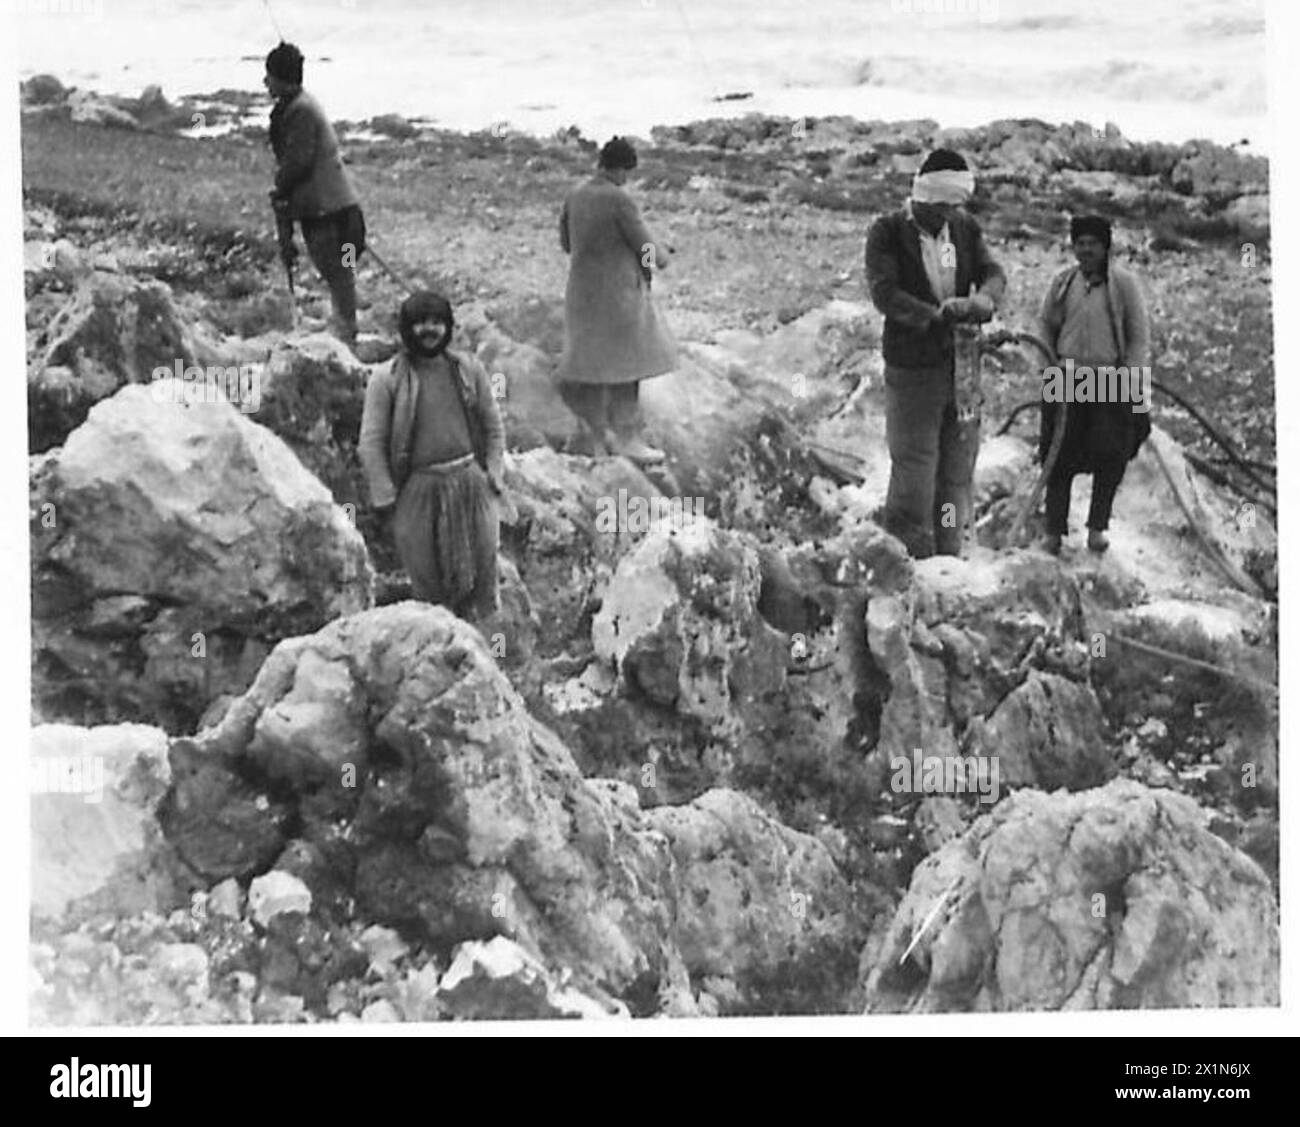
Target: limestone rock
pixel 1117 897
pixel 274 893
pixel 207 518
pixel 757 901
pixel 680 621
pixel 500 980
pixel 464 813
pixel 96 841
pixel 114 330
pixel 1047 733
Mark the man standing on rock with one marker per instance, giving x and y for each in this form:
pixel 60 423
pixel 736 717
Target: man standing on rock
pixel 613 337
pixel 432 445
pixel 1094 315
pixel 928 269
pixel 313 188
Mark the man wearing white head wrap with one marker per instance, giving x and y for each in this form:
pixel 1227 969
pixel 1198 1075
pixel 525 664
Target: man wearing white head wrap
pixel 944 185
pixel 928 269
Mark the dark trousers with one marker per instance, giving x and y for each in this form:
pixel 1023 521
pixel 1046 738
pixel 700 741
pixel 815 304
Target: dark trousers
pixel 932 460
pixel 335 243
pixel 1105 484
pixel 602 406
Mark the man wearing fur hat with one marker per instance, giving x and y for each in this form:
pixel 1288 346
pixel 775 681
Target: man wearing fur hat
pixel 432 446
pixel 1095 316
pixel 312 186
pixel 928 269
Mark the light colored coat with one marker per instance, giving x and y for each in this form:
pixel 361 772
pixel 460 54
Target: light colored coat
pixel 612 333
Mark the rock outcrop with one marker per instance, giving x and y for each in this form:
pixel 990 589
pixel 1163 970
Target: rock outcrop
pixel 96 840
pixel 466 818
pixel 761 907
pixel 172 545
pixel 1114 898
pixel 113 330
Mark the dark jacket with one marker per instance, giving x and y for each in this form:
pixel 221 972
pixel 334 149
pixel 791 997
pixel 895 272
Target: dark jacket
pixel 900 289
pixel 388 422
pixel 310 173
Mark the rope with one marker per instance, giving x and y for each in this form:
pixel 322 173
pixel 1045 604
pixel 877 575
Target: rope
pixel 1196 663
pixel 396 277
pixel 274 22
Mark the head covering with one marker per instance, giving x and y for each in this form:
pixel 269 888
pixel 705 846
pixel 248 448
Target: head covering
pixel 618 153
pixel 424 305
pixel 1096 225
pixel 285 63
pixel 945 177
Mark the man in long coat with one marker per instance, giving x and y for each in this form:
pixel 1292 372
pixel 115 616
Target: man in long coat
pixel 1094 314
pixel 313 187
pixel 613 336
pixel 432 445
pixel 929 269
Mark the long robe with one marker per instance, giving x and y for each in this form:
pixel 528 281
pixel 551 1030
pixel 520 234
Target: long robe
pixel 613 334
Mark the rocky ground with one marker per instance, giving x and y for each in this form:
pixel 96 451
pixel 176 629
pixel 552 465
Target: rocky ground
pixel 660 782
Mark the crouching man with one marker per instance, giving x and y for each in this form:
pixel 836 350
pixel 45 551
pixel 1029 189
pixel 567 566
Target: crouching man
pixel 432 445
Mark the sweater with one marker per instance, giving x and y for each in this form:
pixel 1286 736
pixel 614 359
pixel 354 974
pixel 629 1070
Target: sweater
pixel 390 413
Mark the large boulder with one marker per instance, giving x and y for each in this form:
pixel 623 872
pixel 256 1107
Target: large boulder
pixel 759 904
pixel 1113 898
pixel 113 330
pixel 172 545
pixel 312 393
pixel 426 788
pixel 523 379
pixel 96 840
pixel 706 412
pixel 563 540
pixel 1047 733
pixel 962 637
pixel 42 90
pixel 680 622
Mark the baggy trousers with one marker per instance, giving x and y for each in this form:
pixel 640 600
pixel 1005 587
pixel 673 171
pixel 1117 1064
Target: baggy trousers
pixel 334 243
pixel 1099 439
pixel 932 460
pixel 447 533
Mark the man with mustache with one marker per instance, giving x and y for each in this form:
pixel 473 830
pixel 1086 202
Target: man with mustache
pixel 928 269
pixel 432 445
